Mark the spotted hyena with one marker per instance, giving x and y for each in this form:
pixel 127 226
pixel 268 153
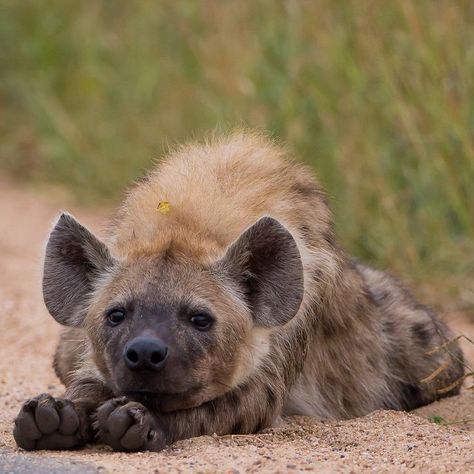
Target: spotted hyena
pixel 221 301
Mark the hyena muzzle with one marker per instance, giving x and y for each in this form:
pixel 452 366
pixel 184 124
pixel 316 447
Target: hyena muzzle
pixel 220 302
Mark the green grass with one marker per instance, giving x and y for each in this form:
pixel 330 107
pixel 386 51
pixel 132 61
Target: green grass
pixel 377 96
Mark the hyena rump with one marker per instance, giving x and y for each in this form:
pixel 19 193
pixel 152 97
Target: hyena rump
pixel 221 301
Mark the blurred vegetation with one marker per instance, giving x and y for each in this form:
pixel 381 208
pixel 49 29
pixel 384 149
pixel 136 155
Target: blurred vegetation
pixel 377 96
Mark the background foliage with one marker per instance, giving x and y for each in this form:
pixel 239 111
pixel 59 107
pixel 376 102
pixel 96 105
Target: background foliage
pixel 377 96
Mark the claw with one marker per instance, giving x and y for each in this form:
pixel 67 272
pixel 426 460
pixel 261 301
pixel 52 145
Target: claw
pixel 30 405
pixel 136 413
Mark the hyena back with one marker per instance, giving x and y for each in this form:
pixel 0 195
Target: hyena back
pixel 221 301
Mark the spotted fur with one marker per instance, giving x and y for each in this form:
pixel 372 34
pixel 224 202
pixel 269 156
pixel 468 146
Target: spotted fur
pixel 356 341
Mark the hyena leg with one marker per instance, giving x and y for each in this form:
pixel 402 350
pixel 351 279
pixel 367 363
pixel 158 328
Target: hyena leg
pixel 440 363
pixel 130 426
pixel 426 360
pixel 46 422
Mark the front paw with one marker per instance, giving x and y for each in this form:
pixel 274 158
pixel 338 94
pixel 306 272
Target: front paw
pixel 45 422
pixel 128 426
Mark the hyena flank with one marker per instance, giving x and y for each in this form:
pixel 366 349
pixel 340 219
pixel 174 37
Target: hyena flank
pixel 220 302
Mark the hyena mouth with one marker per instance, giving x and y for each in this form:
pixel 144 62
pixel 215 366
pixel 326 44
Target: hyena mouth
pixel 140 393
pixel 163 399
pixel 143 396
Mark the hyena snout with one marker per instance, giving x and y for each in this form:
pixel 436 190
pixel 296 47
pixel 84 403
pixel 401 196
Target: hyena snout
pixel 145 353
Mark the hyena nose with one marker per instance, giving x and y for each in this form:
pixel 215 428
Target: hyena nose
pixel 145 353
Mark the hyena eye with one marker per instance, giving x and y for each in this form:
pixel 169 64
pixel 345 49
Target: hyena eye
pixel 201 321
pixel 115 316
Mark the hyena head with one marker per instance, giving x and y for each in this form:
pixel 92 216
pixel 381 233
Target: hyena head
pixel 168 329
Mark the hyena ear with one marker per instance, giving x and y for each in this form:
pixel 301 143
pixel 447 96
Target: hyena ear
pixel 74 259
pixel 267 265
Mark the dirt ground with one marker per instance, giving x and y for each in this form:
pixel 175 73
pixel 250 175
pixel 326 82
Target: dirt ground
pixel 381 442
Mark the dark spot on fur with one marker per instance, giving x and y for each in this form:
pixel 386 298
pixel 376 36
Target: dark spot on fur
pixel 271 397
pixel 318 275
pixel 406 295
pixel 211 407
pixel 412 396
pixel 259 426
pixel 329 329
pixel 146 178
pixel 233 398
pixel 388 326
pixel 168 254
pixel 347 404
pixel 422 333
pixel 202 429
pixel 425 309
pixel 305 230
pixel 308 236
pixel 361 309
pixel 268 372
pixel 237 428
pixel 328 236
pixel 308 190
pixel 369 296
pixel 380 296
pixel 353 265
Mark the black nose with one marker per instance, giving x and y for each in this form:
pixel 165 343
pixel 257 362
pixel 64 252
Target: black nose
pixel 145 353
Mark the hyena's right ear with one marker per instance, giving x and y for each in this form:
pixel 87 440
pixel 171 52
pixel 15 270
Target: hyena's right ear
pixel 266 264
pixel 74 259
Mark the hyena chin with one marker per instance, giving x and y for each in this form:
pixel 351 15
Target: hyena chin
pixel 221 301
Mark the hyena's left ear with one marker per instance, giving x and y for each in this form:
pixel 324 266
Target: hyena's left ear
pixel 266 263
pixel 74 259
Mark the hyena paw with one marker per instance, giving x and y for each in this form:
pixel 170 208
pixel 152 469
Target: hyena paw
pixel 128 426
pixel 45 422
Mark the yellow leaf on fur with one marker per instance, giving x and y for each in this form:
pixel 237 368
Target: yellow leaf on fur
pixel 163 207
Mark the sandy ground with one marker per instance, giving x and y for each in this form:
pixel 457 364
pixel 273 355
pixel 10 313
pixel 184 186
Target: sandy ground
pixel 380 442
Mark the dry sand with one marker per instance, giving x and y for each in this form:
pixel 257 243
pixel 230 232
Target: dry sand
pixel 380 442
